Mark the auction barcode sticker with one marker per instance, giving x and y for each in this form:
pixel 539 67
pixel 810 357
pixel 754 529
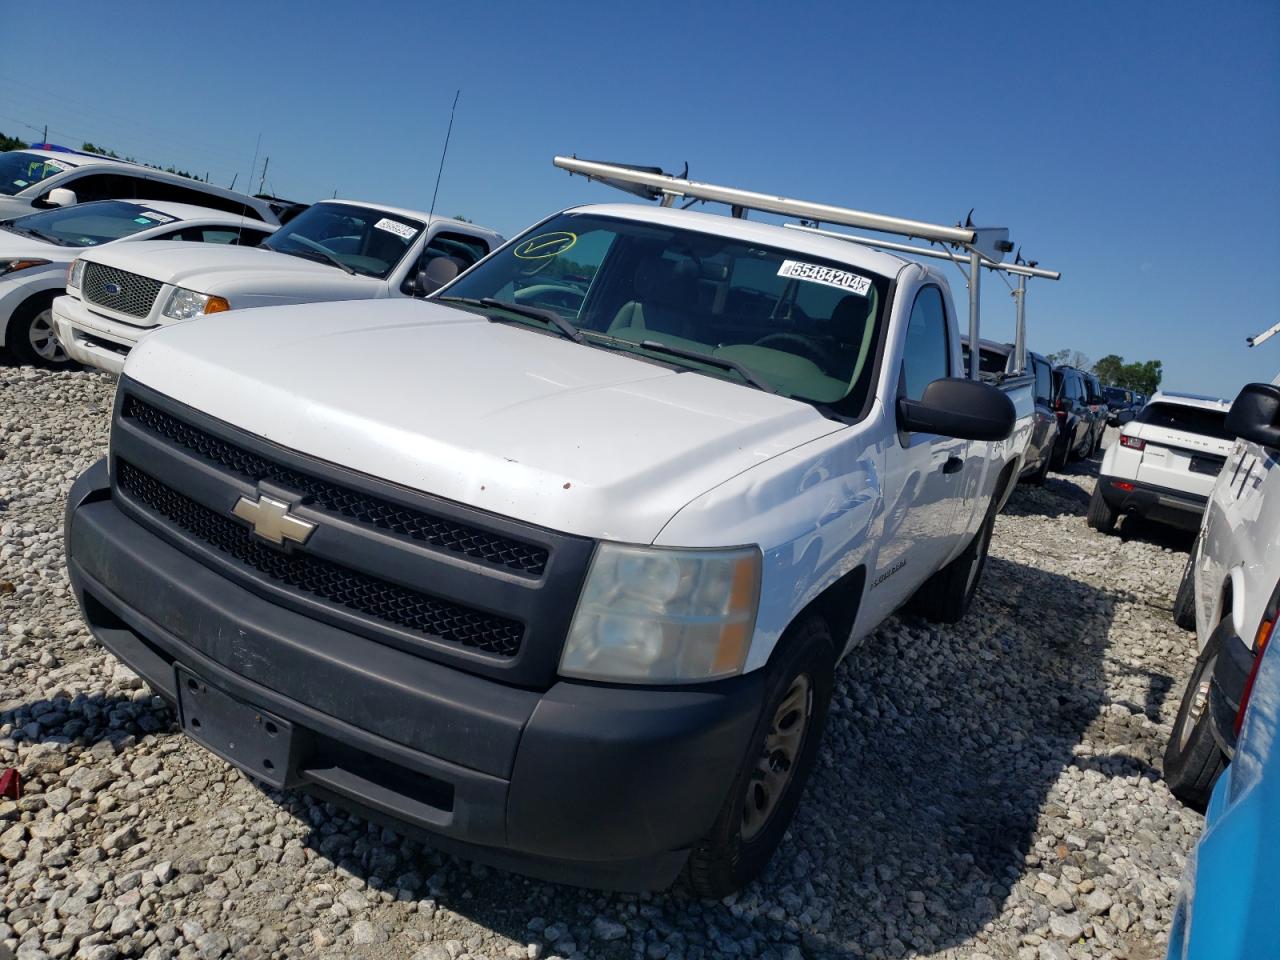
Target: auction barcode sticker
pixel 816 273
pixel 396 227
pixel 153 216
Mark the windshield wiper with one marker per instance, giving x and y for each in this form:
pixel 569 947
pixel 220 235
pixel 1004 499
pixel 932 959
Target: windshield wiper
pixel 711 360
pixel 28 232
pixel 309 253
pixel 533 313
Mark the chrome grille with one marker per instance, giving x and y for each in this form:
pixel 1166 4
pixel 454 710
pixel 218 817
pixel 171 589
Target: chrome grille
pixel 119 290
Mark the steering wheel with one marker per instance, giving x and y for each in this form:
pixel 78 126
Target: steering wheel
pixel 797 344
pixel 311 243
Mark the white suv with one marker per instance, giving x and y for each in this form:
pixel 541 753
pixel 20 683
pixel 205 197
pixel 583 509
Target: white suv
pixel 1229 594
pixel 1164 463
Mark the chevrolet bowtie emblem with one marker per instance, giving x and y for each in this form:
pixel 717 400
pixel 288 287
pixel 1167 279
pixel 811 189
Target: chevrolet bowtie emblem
pixel 271 520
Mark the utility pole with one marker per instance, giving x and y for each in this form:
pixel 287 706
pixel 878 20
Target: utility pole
pixel 46 134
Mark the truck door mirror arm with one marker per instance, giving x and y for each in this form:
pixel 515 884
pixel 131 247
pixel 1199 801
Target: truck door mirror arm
pixel 960 408
pixel 1255 415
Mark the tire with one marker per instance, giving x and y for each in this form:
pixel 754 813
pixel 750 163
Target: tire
pixel 945 596
pixel 1184 604
pixel 1042 472
pixel 29 336
pixel 1193 760
pixel 1100 516
pixel 753 820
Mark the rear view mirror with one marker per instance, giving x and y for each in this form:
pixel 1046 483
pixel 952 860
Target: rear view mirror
pixel 960 408
pixel 61 197
pixel 435 274
pixel 1255 415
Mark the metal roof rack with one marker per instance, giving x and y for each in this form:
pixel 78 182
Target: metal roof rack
pixel 985 246
pixel 1264 336
pixel 1018 268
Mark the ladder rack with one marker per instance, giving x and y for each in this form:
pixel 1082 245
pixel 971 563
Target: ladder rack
pixel 985 246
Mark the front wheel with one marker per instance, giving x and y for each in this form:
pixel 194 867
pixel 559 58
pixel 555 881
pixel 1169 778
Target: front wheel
pixel 1193 761
pixel 1042 472
pixel 779 758
pixel 30 337
pixel 945 596
pixel 1100 516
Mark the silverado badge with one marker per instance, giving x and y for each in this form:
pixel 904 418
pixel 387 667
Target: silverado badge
pixel 271 520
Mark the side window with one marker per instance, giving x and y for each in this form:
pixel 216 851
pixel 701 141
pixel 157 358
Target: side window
pixel 1044 384
pixel 462 248
pixel 1077 387
pixel 177 193
pixel 925 356
pixel 104 186
pixel 246 237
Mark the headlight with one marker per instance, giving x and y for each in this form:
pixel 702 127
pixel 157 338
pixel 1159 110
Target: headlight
pixel 13 266
pixel 75 273
pixel 183 304
pixel 655 615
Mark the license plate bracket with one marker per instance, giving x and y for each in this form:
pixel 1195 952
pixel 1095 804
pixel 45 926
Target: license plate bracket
pixel 258 742
pixel 1205 465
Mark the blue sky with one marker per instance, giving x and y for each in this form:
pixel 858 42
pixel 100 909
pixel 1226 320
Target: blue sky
pixel 1134 146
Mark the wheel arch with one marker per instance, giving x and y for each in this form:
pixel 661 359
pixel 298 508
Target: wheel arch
pixel 838 605
pixel 34 302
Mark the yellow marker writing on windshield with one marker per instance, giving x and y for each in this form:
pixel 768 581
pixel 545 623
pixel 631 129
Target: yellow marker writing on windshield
pixel 546 245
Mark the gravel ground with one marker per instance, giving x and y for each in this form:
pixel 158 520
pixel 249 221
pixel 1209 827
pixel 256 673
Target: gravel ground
pixel 986 790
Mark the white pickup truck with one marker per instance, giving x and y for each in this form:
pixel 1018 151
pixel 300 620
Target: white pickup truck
pixel 334 250
pixel 563 580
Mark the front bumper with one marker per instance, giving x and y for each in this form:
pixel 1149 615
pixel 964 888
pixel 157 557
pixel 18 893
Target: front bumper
pixel 1172 507
pixel 92 339
pixel 581 783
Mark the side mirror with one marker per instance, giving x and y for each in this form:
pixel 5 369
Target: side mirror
pixel 1255 415
pixel 960 408
pixel 61 197
pixel 434 274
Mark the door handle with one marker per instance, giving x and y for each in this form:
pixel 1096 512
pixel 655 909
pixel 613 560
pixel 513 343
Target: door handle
pixel 952 465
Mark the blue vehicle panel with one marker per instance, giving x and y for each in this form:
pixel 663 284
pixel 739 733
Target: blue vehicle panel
pixel 1227 908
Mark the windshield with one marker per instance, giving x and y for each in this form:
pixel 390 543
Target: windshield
pixel 364 241
pixel 1118 395
pixel 1175 416
pixel 989 361
pixel 19 170
pixel 804 325
pixel 89 224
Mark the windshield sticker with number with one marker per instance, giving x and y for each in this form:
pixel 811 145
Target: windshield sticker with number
pixel 402 230
pixel 829 276
pixel 149 216
pixel 545 245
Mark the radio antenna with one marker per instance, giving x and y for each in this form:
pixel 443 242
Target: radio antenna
pixel 443 154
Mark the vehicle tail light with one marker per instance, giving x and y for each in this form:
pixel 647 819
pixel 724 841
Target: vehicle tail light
pixel 1060 405
pixel 1133 443
pixel 1259 646
pixel 1124 485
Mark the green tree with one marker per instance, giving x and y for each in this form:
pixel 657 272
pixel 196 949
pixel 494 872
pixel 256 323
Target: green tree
pixel 1143 376
pixel 1108 368
pixel 11 143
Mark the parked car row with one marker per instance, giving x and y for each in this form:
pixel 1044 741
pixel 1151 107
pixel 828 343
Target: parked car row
pixel 614 501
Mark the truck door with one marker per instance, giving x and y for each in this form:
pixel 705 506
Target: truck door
pixel 924 473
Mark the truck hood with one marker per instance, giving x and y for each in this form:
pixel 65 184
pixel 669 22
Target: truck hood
pixel 500 417
pixel 227 270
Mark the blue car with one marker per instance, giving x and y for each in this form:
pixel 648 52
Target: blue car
pixel 1227 906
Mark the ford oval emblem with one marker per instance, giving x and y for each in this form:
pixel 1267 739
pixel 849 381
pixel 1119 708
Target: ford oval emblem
pixel 112 288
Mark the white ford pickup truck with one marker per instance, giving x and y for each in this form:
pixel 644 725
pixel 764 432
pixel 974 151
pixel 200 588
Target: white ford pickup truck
pixel 334 250
pixel 560 581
